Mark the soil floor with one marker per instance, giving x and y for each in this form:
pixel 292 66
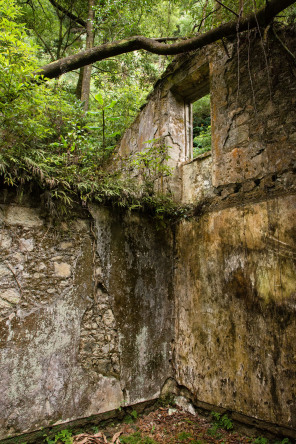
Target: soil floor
pixel 167 425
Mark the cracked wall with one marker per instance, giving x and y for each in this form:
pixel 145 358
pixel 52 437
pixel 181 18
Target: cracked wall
pixel 236 305
pixel 101 311
pixel 84 315
pixel 235 269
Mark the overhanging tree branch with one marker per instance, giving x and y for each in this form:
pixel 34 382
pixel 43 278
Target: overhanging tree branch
pixel 260 18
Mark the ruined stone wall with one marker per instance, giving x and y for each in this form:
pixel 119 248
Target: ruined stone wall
pixel 235 264
pixel 84 315
pixel 165 120
pixel 235 271
pixel 100 311
pixel 235 309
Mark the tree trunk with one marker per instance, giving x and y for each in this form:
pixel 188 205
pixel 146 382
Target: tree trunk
pixel 86 77
pixel 78 90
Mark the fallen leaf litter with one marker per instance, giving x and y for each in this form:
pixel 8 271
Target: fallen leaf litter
pixel 165 426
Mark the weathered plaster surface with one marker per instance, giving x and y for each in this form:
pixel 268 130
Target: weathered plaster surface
pixel 137 269
pixel 46 288
pixel 236 304
pixel 253 113
pixel 78 331
pixel 91 312
pixel 235 265
pixel 197 179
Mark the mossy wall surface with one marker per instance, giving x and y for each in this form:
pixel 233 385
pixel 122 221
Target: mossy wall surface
pixel 235 306
pixel 235 271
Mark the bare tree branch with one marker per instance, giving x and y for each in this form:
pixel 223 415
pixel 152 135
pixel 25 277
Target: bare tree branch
pixel 69 14
pixel 204 19
pixel 44 44
pixel 226 7
pixel 261 18
pixel 168 39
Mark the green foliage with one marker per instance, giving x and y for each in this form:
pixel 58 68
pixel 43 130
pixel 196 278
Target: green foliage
pixel 201 109
pixel 25 116
pixel 260 440
pixel 125 80
pixel 183 436
pixel 103 107
pixel 220 422
pixel 203 15
pixel 47 139
pixel 128 419
pixel 203 142
pixel 134 414
pixel 166 401
pixel 131 417
pixel 151 162
pixel 202 137
pixel 64 436
pixel 44 135
pixel 32 115
pixel 55 33
pixel 136 438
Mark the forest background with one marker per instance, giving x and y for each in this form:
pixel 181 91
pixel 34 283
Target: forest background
pixel 60 135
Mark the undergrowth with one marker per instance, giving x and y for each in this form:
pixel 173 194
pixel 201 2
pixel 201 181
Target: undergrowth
pixel 48 140
pixel 80 175
pixel 137 438
pixel 64 436
pixel 219 422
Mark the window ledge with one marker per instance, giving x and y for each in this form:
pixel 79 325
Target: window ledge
pixel 200 157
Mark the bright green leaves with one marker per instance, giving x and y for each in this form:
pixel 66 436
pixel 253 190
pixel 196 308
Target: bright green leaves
pixel 17 59
pixel 102 103
pixel 99 99
pixel 152 161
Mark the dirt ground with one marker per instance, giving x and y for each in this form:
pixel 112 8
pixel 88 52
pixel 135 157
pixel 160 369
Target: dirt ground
pixel 167 426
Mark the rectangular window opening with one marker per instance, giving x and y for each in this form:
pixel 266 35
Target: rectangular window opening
pixel 194 92
pixel 201 126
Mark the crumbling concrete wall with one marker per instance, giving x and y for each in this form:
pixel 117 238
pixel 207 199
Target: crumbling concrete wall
pixel 84 313
pixel 235 328
pixel 235 309
pixel 235 264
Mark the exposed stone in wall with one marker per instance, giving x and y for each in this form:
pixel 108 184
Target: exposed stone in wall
pixel 137 268
pixel 253 112
pixel 46 289
pixel 253 119
pixel 85 316
pixel 89 312
pixel 98 351
pixel 235 277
